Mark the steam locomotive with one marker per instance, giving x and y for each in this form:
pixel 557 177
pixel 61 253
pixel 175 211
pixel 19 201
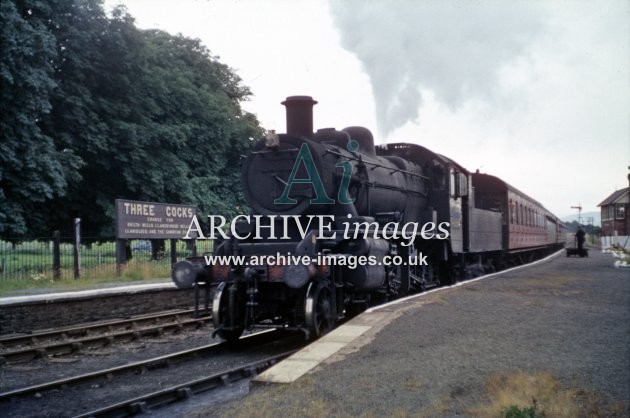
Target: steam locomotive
pixel 342 224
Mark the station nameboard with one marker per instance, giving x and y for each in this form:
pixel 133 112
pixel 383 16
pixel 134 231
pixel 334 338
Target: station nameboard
pixel 148 220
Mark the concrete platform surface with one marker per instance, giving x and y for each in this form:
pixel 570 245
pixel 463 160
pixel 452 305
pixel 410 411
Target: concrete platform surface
pixel 557 332
pixel 123 288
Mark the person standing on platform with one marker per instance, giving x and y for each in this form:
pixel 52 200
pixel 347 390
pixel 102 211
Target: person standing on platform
pixel 579 236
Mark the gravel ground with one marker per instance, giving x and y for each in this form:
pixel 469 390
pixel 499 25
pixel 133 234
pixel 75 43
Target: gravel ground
pixel 94 395
pixel 568 318
pixel 17 375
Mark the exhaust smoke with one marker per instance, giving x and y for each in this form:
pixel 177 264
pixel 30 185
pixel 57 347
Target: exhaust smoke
pixel 453 48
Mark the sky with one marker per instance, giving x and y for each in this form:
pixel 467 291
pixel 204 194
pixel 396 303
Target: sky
pixel 536 93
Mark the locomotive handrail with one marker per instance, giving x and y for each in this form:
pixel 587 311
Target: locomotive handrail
pixel 386 186
pixel 274 151
pixel 329 151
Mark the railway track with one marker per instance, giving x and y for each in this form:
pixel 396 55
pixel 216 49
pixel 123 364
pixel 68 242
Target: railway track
pixel 70 340
pixel 162 398
pixel 119 377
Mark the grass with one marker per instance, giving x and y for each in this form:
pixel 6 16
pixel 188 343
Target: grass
pixel 526 395
pixel 133 271
pixel 526 412
pixel 28 265
pixel 505 395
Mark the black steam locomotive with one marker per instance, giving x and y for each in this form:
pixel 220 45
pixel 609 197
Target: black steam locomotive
pixel 341 224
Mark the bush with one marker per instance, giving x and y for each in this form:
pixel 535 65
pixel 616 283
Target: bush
pixel 514 411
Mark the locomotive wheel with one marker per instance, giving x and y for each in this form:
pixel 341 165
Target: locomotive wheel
pixel 319 309
pixel 221 314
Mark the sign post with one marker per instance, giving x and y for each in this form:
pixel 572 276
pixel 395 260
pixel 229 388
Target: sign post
pixel 150 220
pixel 121 256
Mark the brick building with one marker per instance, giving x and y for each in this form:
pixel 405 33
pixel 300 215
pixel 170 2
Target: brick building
pixel 616 217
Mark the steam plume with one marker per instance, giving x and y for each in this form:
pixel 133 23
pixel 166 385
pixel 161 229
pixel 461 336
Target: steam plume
pixel 452 48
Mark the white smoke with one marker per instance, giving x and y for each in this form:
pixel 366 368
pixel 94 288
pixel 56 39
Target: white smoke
pixel 453 48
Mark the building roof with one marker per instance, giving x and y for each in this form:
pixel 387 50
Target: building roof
pixel 615 197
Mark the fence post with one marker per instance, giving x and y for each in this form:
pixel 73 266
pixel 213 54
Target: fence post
pixel 77 248
pixel 173 251
pixel 191 247
pixel 56 255
pixel 121 256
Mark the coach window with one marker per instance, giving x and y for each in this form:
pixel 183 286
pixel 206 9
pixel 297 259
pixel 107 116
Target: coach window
pixel 526 216
pixel 511 212
pixel 452 183
pixel 515 210
pixel 529 217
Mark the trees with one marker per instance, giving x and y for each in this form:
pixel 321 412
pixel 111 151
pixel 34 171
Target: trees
pixel 32 169
pixel 123 113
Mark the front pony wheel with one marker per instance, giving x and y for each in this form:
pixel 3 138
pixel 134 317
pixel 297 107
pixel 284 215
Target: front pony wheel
pixel 227 312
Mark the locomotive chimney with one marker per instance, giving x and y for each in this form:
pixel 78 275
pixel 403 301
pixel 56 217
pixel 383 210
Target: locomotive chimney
pixel 299 115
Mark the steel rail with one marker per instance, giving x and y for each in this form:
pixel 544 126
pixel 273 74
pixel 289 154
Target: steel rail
pixel 76 345
pixel 159 399
pixel 144 365
pixel 83 330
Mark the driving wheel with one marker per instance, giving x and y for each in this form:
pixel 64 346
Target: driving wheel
pixel 320 312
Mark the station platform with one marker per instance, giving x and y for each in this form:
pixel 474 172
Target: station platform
pixel 39 311
pixel 557 331
pixel 111 290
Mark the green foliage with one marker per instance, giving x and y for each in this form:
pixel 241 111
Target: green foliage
pixel 115 113
pixel 32 170
pixel 29 264
pixel 514 411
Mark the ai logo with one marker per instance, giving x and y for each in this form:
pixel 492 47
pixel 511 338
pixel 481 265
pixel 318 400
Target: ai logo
pixel 304 157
